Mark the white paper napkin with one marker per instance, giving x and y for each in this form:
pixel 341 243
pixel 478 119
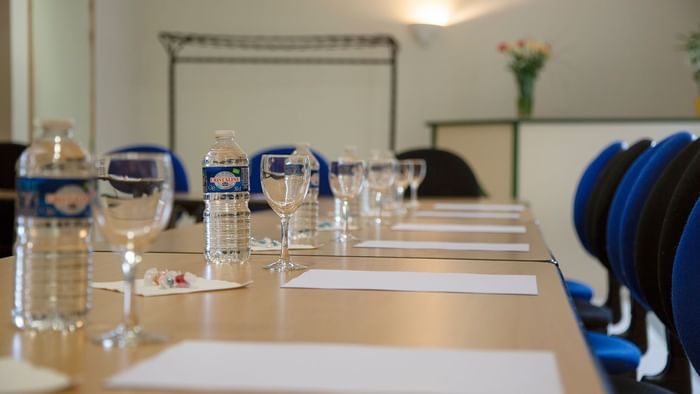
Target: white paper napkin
pixel 261 245
pixel 200 284
pixel 23 377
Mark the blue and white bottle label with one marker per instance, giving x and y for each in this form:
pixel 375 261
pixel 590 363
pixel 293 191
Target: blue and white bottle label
pixel 225 179
pixel 314 180
pixel 54 198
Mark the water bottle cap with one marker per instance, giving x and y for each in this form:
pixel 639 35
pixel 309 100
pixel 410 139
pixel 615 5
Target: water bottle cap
pixel 225 133
pixel 57 124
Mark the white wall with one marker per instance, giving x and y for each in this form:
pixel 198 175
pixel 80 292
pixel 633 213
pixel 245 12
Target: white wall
pixel 19 70
pixel 552 159
pixel 610 59
pixel 62 63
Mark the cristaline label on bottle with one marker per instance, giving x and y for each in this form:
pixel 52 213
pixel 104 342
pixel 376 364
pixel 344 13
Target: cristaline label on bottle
pixel 225 179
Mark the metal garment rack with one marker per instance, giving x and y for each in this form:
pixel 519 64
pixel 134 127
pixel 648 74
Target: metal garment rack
pixel 174 43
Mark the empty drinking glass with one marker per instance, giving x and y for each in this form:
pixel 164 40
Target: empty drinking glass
pixel 380 177
pixel 133 201
pixel 404 176
pixel 346 178
pixel 285 181
pixel 419 169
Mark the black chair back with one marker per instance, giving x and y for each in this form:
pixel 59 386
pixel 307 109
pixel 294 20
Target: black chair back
pixel 596 220
pixel 646 244
pixel 9 153
pixel 447 174
pixel 685 194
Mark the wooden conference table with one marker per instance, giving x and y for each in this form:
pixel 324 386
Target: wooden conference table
pixel 265 312
pixel 265 224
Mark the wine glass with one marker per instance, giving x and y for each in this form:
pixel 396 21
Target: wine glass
pixel 346 178
pixel 419 169
pixel 380 177
pixel 404 176
pixel 285 181
pixel 133 202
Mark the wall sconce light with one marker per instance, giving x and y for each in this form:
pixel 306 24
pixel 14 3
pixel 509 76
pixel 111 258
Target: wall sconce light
pixel 428 19
pixel 425 33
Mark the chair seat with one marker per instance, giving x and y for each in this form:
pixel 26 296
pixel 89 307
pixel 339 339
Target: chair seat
pixel 616 355
pixel 579 290
pixel 595 318
pixel 623 384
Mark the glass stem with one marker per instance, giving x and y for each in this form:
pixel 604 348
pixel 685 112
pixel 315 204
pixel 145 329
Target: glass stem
pixel 346 217
pixel 414 195
pixel 379 205
pixel 129 262
pixel 284 256
pixel 400 190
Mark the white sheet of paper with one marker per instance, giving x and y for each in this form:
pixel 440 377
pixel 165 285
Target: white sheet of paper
pixel 460 228
pixel 479 207
pixel 438 282
pixel 474 246
pixel 304 367
pixel 260 248
pixel 467 215
pixel 148 291
pixel 22 377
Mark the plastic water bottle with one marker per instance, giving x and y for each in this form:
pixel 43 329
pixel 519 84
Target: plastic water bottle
pixel 55 180
pixel 304 221
pixel 226 182
pixel 349 153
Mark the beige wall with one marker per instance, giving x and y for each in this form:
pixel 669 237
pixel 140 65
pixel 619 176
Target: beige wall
pixel 5 91
pixel 552 159
pixel 616 58
pixel 62 62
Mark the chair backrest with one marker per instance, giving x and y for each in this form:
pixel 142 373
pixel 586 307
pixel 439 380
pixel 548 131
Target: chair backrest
pixel 646 244
pixel 596 218
pixel 447 174
pixel 9 153
pixel 685 289
pixel 612 230
pixel 682 202
pixel 181 183
pixel 660 158
pixel 254 163
pixel 590 177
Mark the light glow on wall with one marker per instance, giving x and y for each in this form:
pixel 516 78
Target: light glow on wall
pixel 432 13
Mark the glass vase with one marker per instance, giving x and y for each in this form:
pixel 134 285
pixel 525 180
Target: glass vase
pixel 526 84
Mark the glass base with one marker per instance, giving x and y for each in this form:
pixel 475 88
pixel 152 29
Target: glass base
pixel 344 238
pixel 122 337
pixel 284 265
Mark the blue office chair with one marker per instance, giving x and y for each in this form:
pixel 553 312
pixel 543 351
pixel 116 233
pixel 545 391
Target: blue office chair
pixel 179 172
pixel 585 186
pixel 623 223
pixel 664 153
pixel 254 163
pixel 684 195
pixel 646 253
pixel 685 290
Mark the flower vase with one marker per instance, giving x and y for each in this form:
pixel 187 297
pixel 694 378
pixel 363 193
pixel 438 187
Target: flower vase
pixel 526 85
